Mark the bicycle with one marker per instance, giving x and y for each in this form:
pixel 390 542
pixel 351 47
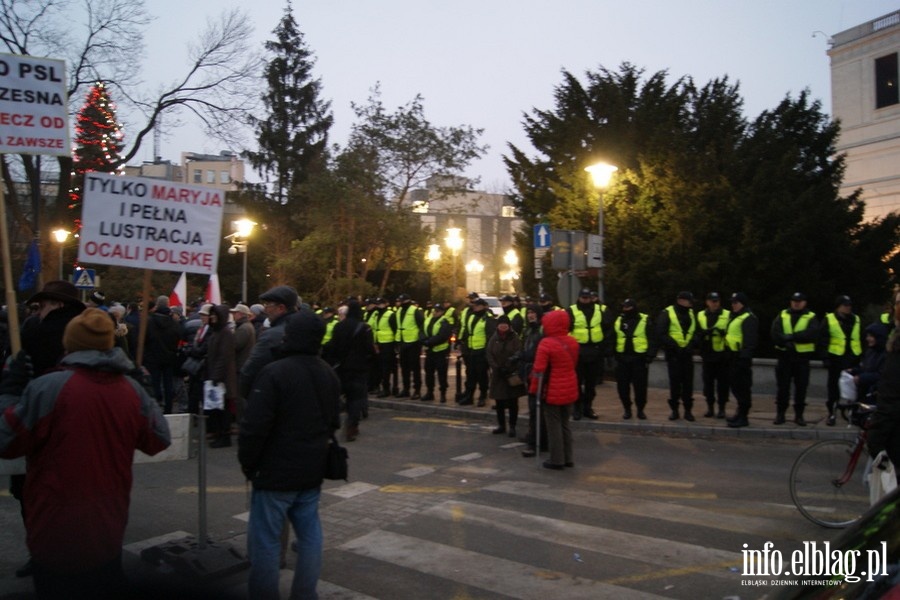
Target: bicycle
pixel 826 485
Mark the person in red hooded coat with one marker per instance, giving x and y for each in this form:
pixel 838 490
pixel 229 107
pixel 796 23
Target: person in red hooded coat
pixel 554 362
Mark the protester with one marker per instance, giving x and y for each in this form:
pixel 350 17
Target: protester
pixel 350 351
pixel 502 357
pixel 557 357
pixel 291 412
pixel 78 428
pixel 220 370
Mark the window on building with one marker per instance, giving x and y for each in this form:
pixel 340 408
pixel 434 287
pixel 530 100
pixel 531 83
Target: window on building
pixel 508 211
pixel 886 85
pixel 210 176
pixel 198 176
pixel 224 177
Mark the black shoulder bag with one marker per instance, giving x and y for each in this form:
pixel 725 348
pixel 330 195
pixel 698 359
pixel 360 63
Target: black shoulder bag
pixel 336 457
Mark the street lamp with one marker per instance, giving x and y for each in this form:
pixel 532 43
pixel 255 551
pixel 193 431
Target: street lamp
pixel 454 243
pixel 512 262
pixel 60 235
pixel 601 173
pixel 434 253
pixel 239 241
pixel 474 267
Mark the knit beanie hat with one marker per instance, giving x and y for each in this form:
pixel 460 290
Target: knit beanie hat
pixel 93 329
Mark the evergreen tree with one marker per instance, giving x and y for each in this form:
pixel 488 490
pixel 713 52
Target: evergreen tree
pixel 98 144
pixel 293 135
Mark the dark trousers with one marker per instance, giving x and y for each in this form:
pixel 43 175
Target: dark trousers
pixel 436 365
pixel 477 373
pixel 740 377
pixel 354 387
pixel 510 405
pixel 410 365
pixel 106 582
pixel 837 364
pixel 387 362
pixel 163 385
pixel 680 367
pixel 590 372
pixel 559 434
pixel 791 368
pixel 631 373
pixel 532 417
pixel 715 381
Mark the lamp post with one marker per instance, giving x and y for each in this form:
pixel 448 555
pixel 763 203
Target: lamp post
pixel 601 173
pixel 60 235
pixel 239 241
pixel 474 267
pixel 454 243
pixel 512 263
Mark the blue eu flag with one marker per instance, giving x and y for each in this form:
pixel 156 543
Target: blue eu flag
pixel 28 279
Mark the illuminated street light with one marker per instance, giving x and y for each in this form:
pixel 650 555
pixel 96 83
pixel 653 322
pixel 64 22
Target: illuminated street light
pixel 239 242
pixel 601 174
pixel 60 235
pixel 434 253
pixel 454 242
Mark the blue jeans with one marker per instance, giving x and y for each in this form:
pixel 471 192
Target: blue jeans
pixel 268 509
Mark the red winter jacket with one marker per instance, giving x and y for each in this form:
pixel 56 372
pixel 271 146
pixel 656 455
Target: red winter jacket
pixel 558 353
pixel 78 429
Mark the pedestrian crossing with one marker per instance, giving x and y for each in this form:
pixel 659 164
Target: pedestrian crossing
pixel 528 539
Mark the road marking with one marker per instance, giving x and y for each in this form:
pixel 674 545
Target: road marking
pixel 467 457
pixel 498 575
pixel 350 490
pixel 650 482
pixel 416 472
pixel 420 489
pixel 677 557
pixel 430 420
pixel 689 515
pixel 214 489
pixel 664 494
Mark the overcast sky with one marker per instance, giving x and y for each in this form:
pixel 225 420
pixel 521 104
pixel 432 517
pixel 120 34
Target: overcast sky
pixel 486 62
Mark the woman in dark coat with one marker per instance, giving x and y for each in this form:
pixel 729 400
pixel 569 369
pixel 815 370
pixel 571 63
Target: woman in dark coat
pixel 502 351
pixel 221 368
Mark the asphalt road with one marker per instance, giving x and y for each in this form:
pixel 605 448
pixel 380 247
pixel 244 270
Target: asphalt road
pixel 438 507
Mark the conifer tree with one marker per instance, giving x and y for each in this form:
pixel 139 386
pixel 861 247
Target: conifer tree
pixel 98 144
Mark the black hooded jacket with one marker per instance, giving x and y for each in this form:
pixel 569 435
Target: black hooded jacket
pixel 291 413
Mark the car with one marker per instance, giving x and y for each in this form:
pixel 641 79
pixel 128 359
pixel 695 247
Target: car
pixel 864 562
pixel 494 305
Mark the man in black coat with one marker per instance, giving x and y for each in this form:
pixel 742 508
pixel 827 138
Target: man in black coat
pixel 292 411
pixel 350 351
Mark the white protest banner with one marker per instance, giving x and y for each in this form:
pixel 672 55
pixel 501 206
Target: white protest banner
pixel 34 116
pixel 150 223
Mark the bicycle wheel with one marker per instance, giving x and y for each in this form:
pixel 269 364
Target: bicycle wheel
pixel 814 487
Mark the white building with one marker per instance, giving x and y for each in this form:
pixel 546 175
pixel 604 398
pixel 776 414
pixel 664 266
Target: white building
pixel 865 96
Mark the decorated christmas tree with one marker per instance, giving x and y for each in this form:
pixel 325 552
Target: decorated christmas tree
pixel 98 144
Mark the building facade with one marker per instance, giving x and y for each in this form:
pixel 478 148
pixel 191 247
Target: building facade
pixel 865 95
pixel 487 224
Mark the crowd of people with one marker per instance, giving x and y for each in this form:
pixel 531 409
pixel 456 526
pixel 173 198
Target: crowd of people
pixel 278 373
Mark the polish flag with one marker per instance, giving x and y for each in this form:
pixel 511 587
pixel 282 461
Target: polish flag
pixel 213 295
pixel 179 294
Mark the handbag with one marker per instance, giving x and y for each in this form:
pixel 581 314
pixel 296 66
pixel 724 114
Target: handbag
pixel 336 461
pixel 882 478
pixel 514 380
pixel 192 366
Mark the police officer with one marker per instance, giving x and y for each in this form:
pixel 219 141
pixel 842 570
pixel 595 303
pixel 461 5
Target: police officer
pixel 478 326
pixel 437 349
pixel 587 327
pixel 410 323
pixel 841 346
pixel 516 320
pixel 794 332
pixel 676 328
pixel 741 337
pixel 712 322
pixel 384 323
pixel 330 317
pixel 634 353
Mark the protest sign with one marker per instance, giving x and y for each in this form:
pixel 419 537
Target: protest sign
pixel 34 115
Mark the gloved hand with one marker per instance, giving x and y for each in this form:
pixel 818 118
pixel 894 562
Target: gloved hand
pixel 17 372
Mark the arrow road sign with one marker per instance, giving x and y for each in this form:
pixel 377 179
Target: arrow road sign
pixel 541 236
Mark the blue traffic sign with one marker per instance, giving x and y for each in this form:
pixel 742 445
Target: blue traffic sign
pixel 541 236
pixel 84 279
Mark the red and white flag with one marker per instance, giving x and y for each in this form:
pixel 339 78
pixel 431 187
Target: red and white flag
pixel 213 295
pixel 179 294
